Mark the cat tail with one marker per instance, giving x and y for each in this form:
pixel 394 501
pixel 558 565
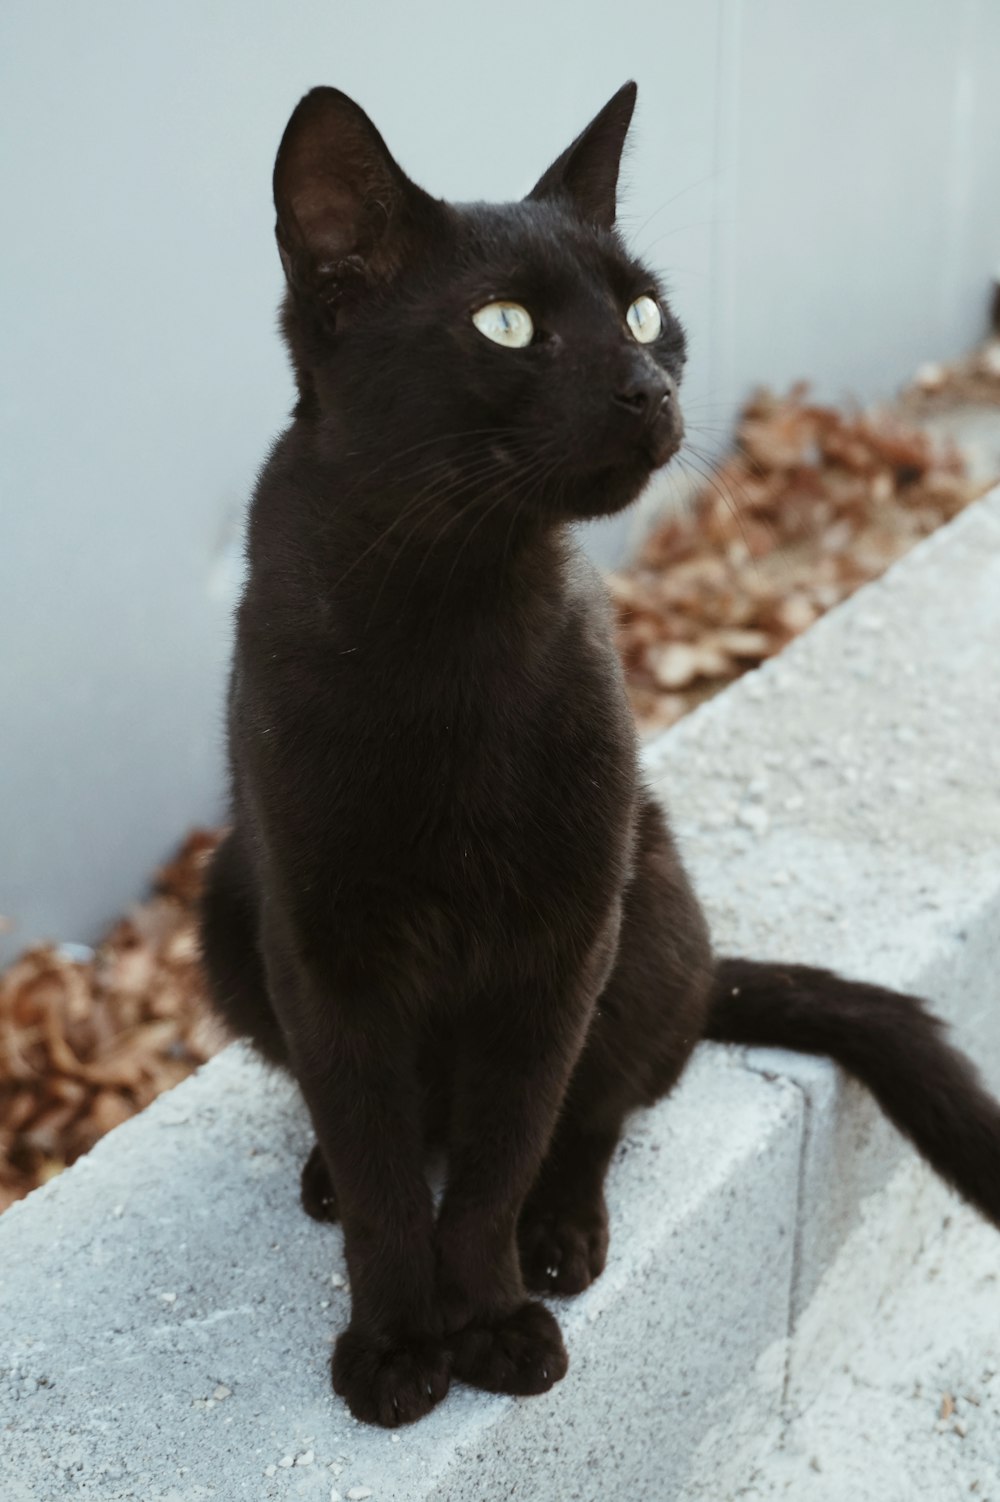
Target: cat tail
pixel 889 1041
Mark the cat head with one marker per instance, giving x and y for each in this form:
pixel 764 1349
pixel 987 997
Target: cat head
pixel 517 344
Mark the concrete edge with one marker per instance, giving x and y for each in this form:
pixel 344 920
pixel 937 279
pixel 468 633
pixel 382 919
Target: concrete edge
pixel 936 933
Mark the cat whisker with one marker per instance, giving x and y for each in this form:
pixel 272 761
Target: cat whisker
pixel 674 198
pixel 733 482
pixel 484 514
pixel 486 467
pixel 435 502
pixel 397 458
pixel 679 229
pixel 401 516
pixel 535 475
pixel 711 479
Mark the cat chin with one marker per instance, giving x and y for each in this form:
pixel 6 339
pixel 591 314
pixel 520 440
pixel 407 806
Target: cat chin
pixel 607 492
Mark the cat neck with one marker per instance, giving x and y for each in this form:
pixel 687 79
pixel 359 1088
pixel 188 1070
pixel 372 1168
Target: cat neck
pixel 442 554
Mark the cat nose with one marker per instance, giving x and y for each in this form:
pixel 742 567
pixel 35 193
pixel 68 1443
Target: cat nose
pixel 643 392
pixel 650 398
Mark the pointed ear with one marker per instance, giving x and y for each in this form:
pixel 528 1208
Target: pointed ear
pixel 347 213
pixel 587 172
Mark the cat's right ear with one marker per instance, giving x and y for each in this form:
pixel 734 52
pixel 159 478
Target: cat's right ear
pixel 347 213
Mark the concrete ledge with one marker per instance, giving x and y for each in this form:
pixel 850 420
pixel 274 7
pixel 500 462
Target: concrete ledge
pixel 176 1262
pixel 166 1309
pixel 842 807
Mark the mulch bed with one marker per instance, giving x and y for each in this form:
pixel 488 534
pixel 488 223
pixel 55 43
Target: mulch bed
pixel 812 503
pixel 85 1044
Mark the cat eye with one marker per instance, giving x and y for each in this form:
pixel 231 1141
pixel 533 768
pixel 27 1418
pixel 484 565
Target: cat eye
pixel 644 320
pixel 505 323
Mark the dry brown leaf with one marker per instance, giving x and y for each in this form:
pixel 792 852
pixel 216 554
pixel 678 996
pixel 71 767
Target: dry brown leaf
pixel 973 378
pixel 85 1046
pixel 812 504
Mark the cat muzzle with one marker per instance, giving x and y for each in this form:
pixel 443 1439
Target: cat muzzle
pixel 666 430
pixel 649 403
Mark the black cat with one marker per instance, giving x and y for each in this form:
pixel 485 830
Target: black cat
pixel 447 904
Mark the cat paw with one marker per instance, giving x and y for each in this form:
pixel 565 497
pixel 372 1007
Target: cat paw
pixel 521 1352
pixel 389 1382
pixel 562 1251
pixel 319 1198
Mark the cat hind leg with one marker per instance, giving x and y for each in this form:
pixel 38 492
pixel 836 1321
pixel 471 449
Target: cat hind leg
pixel 648 1019
pixel 237 987
pixel 319 1197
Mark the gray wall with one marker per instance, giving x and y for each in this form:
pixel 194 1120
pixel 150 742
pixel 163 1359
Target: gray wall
pixel 819 181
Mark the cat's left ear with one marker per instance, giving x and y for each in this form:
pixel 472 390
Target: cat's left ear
pixel 347 214
pixel 587 172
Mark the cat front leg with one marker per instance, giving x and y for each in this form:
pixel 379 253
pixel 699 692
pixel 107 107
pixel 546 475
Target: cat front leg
pixel 355 1061
pixel 515 1056
pixel 390 1365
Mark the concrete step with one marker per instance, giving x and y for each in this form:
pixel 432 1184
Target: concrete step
pixel 911 1408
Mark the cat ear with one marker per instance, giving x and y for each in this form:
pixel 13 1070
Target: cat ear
pixel 346 210
pixel 587 171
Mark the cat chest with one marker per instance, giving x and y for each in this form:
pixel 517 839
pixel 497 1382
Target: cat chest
pixel 516 806
pixel 512 777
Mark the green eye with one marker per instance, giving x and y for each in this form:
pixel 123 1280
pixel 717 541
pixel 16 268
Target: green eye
pixel 505 323
pixel 644 320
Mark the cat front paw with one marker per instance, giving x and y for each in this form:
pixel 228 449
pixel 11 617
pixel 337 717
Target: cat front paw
pixel 520 1352
pixel 319 1198
pixel 389 1382
pixel 562 1250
